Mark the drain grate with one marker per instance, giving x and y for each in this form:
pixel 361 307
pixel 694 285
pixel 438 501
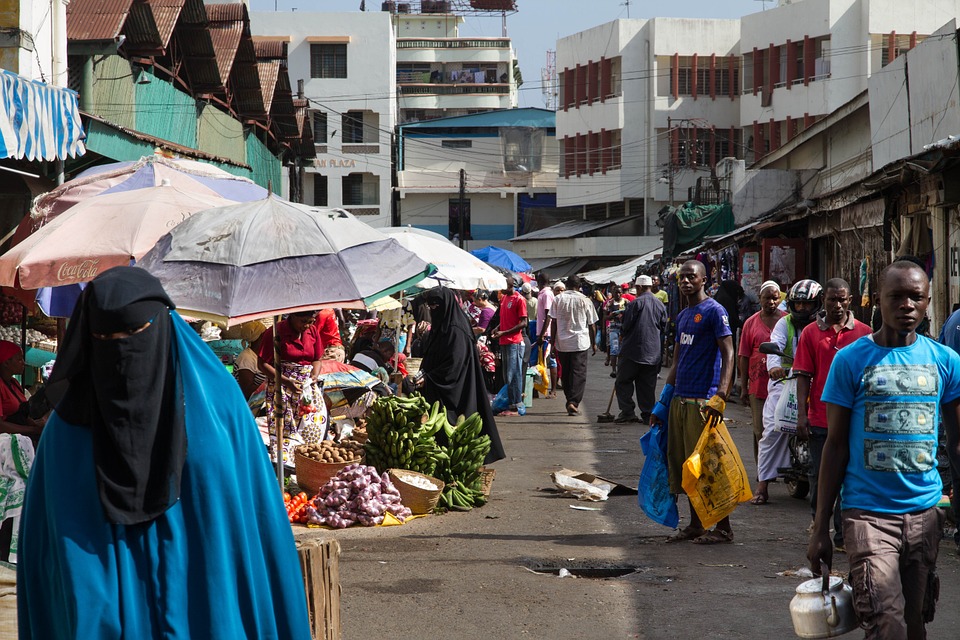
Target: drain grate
pixel 596 573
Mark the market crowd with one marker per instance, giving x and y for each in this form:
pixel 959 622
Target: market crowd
pixel 877 408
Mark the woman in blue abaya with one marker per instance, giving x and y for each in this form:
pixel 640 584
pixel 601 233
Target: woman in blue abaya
pixel 151 510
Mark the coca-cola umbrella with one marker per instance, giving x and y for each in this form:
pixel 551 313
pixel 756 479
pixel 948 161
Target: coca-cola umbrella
pixel 270 256
pixel 107 231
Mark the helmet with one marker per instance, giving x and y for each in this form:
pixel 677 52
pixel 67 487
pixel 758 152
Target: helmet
pixel 805 291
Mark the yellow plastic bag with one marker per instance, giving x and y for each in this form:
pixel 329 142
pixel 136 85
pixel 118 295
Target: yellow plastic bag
pixel 541 381
pixel 713 476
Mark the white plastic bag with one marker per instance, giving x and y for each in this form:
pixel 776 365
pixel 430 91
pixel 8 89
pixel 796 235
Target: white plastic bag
pixel 785 415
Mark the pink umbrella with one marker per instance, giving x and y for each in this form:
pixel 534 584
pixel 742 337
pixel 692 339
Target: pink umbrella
pixel 107 231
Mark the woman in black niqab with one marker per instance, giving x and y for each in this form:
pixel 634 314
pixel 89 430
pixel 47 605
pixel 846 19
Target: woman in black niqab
pixel 451 366
pixel 108 377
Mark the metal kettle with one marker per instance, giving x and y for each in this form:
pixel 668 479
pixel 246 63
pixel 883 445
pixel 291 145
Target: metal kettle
pixel 823 607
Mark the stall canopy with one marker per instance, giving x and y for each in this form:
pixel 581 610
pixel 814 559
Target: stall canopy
pixel 39 122
pixel 687 225
pixel 625 272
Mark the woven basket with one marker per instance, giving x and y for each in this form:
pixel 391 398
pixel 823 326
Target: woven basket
pixel 311 475
pixel 418 500
pixel 486 480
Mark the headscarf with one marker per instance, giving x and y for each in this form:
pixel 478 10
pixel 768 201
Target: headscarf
pixel 451 366
pixel 128 391
pixel 769 284
pixel 250 331
pixel 8 350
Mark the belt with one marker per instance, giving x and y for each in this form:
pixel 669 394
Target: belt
pixel 697 401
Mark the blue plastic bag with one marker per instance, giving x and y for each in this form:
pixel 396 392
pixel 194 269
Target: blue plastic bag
pixel 502 400
pixel 653 489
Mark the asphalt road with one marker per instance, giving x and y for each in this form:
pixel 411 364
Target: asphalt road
pixel 469 575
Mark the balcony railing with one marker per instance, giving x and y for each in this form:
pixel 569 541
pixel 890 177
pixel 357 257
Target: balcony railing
pixel 360 148
pixel 372 210
pixel 453 43
pixel 453 89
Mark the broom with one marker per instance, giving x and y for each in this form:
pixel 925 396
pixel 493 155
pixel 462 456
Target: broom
pixel 606 416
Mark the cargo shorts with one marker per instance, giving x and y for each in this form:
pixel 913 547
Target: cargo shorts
pixel 893 560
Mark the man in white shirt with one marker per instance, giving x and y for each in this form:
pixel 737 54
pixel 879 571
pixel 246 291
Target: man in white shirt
pixel 544 305
pixel 574 325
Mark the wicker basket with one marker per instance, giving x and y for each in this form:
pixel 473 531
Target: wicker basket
pixel 311 475
pixel 418 500
pixel 486 480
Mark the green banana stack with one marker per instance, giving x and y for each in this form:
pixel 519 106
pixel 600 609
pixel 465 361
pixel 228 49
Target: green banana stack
pixel 401 434
pixel 460 472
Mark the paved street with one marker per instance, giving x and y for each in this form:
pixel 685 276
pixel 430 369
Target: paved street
pixel 464 575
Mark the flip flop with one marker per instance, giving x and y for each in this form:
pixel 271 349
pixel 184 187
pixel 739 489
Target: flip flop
pixel 685 534
pixel 760 499
pixel 715 536
pixel 572 409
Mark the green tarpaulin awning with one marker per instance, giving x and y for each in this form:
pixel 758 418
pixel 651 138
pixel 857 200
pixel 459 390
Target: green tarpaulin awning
pixel 686 225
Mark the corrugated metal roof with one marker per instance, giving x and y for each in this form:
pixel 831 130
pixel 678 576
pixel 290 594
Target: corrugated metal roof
pixel 572 229
pixel 526 117
pixel 196 47
pixel 227 23
pixel 268 70
pixel 96 19
pixel 269 48
pixel 150 24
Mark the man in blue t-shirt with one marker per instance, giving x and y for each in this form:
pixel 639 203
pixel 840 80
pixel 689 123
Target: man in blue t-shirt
pixel 885 394
pixel 950 336
pixel 698 382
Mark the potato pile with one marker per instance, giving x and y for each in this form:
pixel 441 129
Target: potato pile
pixel 329 451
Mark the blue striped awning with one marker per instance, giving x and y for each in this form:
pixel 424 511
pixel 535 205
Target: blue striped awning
pixel 39 122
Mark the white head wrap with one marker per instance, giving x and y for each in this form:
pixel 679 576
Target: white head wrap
pixel 770 284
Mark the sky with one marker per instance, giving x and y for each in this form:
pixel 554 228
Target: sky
pixel 535 28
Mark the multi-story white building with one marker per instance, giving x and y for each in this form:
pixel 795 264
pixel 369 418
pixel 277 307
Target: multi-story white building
pixel 509 163
pixel 347 63
pixel 441 74
pixel 805 59
pixel 646 107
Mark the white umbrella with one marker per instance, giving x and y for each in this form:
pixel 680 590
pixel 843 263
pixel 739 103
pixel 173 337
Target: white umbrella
pixel 456 268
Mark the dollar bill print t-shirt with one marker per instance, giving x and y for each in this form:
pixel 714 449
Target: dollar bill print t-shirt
pixel 894 395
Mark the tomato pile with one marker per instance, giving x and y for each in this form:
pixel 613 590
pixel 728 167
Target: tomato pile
pixel 296 507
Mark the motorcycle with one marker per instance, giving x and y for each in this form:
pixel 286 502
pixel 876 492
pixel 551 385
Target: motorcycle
pixel 795 476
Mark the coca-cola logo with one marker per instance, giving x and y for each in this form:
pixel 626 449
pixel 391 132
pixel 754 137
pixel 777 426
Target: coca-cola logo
pixel 78 271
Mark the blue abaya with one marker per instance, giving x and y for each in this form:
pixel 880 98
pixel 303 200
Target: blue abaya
pixel 219 564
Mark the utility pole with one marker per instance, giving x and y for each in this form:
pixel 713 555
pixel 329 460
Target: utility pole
pixel 462 204
pixel 671 158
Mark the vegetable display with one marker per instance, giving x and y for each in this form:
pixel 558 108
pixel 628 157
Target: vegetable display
pixel 461 470
pixel 332 452
pixel 356 495
pixel 402 434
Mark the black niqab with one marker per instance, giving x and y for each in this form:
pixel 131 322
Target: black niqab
pixel 128 391
pixel 451 366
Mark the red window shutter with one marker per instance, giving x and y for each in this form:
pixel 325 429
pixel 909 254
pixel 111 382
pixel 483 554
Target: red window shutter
pixel 757 141
pixel 807 120
pixel 675 75
pixel 809 61
pixel 913 39
pixel 791 62
pixel 891 46
pixel 605 155
pixel 713 76
pixel 590 71
pixel 565 156
pixel 693 76
pixel 606 68
pixel 713 146
pixel 774 65
pixel 732 63
pixel 791 128
pixel 581 154
pixel 774 135
pixel 568 88
pixel 595 161
pixel 757 69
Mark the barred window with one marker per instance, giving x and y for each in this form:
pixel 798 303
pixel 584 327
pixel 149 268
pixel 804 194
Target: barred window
pixel 328 61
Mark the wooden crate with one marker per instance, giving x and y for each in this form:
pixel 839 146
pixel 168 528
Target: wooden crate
pixel 320 565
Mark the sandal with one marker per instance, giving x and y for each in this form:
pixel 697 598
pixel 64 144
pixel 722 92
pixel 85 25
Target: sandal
pixel 716 536
pixel 572 409
pixel 684 535
pixel 760 498
pixel 551 395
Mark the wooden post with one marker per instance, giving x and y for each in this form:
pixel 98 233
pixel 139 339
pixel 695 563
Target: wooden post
pixel 278 400
pixel 320 566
